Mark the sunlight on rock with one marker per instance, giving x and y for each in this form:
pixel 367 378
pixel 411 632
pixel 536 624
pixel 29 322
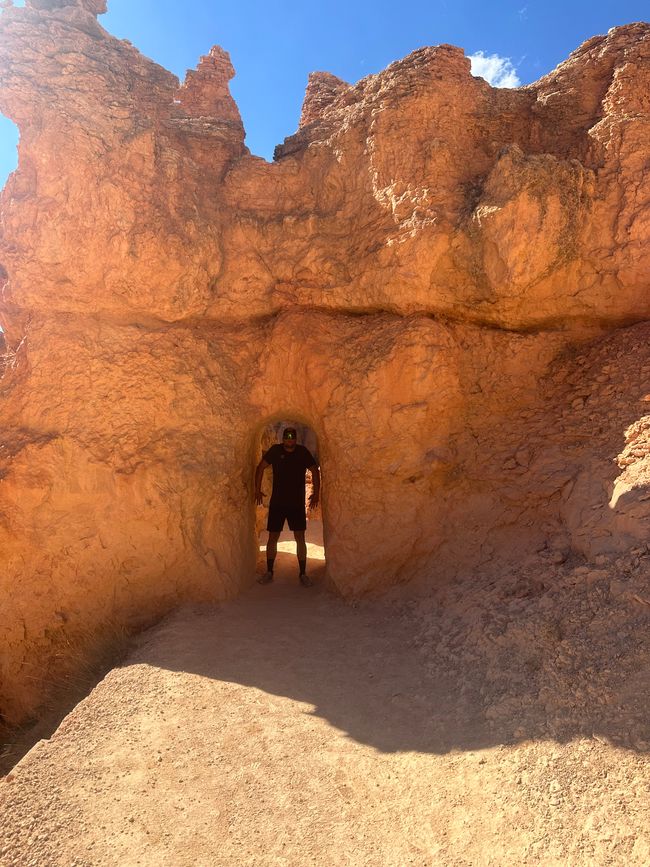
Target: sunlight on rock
pixel 314 552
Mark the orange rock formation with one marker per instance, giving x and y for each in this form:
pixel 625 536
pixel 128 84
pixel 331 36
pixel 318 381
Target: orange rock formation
pixel 440 278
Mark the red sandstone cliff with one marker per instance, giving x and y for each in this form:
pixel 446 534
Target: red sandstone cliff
pixel 412 275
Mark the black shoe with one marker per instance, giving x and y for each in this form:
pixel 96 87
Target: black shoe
pixel 266 578
pixel 306 581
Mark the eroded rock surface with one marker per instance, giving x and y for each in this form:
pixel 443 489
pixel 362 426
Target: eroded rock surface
pixel 446 282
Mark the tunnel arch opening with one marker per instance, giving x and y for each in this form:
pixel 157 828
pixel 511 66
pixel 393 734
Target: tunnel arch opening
pixel 268 433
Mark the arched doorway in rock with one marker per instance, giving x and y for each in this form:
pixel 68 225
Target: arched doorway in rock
pixel 286 565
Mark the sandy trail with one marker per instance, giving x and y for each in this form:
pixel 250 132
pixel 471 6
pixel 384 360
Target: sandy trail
pixel 286 563
pixel 288 728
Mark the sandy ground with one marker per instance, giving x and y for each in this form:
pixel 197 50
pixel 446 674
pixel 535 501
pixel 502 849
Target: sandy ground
pixel 289 728
pixel 286 564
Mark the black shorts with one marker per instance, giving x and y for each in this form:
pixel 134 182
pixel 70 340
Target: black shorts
pixel 278 514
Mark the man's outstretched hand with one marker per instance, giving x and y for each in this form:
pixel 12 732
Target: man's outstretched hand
pixel 313 501
pixel 259 498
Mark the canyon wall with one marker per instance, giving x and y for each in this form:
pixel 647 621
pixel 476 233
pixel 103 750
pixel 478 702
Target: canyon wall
pixel 447 282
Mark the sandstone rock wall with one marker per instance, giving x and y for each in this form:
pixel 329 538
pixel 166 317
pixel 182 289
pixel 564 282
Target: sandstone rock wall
pixel 434 275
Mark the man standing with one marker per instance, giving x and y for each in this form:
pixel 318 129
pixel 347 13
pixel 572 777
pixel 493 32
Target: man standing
pixel 289 462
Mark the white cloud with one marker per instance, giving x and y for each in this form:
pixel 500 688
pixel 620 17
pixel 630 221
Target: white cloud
pixel 497 71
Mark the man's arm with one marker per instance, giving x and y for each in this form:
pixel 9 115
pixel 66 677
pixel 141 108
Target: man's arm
pixel 259 472
pixel 315 479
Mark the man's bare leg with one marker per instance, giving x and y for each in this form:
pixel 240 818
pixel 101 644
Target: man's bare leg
pixel 271 552
pixel 301 553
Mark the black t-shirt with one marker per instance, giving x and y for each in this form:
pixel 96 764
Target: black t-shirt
pixel 289 474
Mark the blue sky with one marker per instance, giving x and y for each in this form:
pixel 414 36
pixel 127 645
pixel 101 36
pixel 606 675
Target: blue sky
pixel 275 45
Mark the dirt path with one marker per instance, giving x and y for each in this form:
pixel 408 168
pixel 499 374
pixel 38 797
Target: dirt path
pixel 288 728
pixel 286 564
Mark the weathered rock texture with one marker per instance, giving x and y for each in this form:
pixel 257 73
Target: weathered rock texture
pixel 412 278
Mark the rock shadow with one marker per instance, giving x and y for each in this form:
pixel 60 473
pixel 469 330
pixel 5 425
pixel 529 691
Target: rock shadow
pixel 371 672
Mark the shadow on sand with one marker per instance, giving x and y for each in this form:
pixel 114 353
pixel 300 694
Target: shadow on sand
pixel 360 667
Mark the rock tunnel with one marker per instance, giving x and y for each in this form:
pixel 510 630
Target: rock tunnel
pixel 271 433
pixel 424 276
